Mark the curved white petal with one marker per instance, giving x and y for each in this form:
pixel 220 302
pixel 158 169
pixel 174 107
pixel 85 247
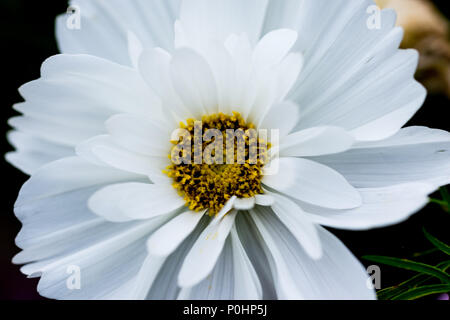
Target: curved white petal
pixel 224 70
pixel 337 276
pixel 105 84
pixel 289 70
pixel 344 38
pixel 56 224
pixel 273 47
pixel 32 152
pixel 246 282
pixel 226 208
pixel 146 277
pixel 102 150
pixel 219 285
pixel 283 117
pixel 134 201
pixel 389 124
pixel 70 103
pixel 244 203
pixel 154 67
pixel 312 182
pixel 167 238
pixel 264 200
pixel 315 142
pixel 68 174
pixel 135 48
pixel 381 207
pixel 342 82
pixel 194 82
pixel 104 26
pixel 378 104
pixel 414 154
pixel 118 255
pixel 233 277
pixel 139 135
pixel 299 223
pixel 165 286
pixel 349 58
pixel 203 256
pixel 253 245
pixel 206 20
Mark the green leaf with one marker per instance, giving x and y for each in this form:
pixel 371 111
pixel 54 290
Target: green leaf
pixel 439 202
pixel 417 280
pixel 438 244
pixel 445 195
pixel 425 253
pixel 423 291
pixel 411 265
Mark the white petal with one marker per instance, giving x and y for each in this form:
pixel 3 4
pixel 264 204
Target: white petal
pixel 344 48
pixel 56 224
pixel 223 67
pixel 104 27
pixel 246 282
pixel 103 150
pixel 135 48
pixel 68 174
pixel 226 209
pixel 350 90
pixel 381 207
pixel 32 153
pixel 134 201
pixel 264 200
pixel 217 19
pixel 389 124
pixel 337 276
pixel 89 90
pixel 299 224
pixel 414 154
pixel 384 100
pixel 154 67
pixel 316 141
pixel 146 277
pixel 119 254
pixel 194 82
pixel 204 254
pixel 54 133
pixel 139 135
pixel 166 286
pixel 219 285
pixel 167 239
pixel 284 281
pixel 289 71
pixel 252 242
pixel 233 277
pixel 244 203
pixel 103 82
pixel 313 183
pixel 273 47
pixel 283 117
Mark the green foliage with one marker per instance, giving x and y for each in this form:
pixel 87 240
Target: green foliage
pixel 421 285
pixel 445 201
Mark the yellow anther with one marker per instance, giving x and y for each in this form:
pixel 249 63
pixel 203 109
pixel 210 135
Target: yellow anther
pixel 210 186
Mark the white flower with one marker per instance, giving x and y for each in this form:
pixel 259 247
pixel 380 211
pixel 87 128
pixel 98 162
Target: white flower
pixel 96 129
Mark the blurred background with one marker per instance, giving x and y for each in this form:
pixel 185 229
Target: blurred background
pixel 27 38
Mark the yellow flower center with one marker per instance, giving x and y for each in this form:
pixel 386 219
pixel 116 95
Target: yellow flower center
pixel 215 159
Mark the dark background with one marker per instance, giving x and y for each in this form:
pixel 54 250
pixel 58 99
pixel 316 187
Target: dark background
pixel 27 39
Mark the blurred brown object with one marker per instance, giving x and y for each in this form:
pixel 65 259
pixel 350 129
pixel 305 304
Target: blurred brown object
pixel 426 30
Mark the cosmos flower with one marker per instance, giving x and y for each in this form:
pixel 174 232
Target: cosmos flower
pixel 107 199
